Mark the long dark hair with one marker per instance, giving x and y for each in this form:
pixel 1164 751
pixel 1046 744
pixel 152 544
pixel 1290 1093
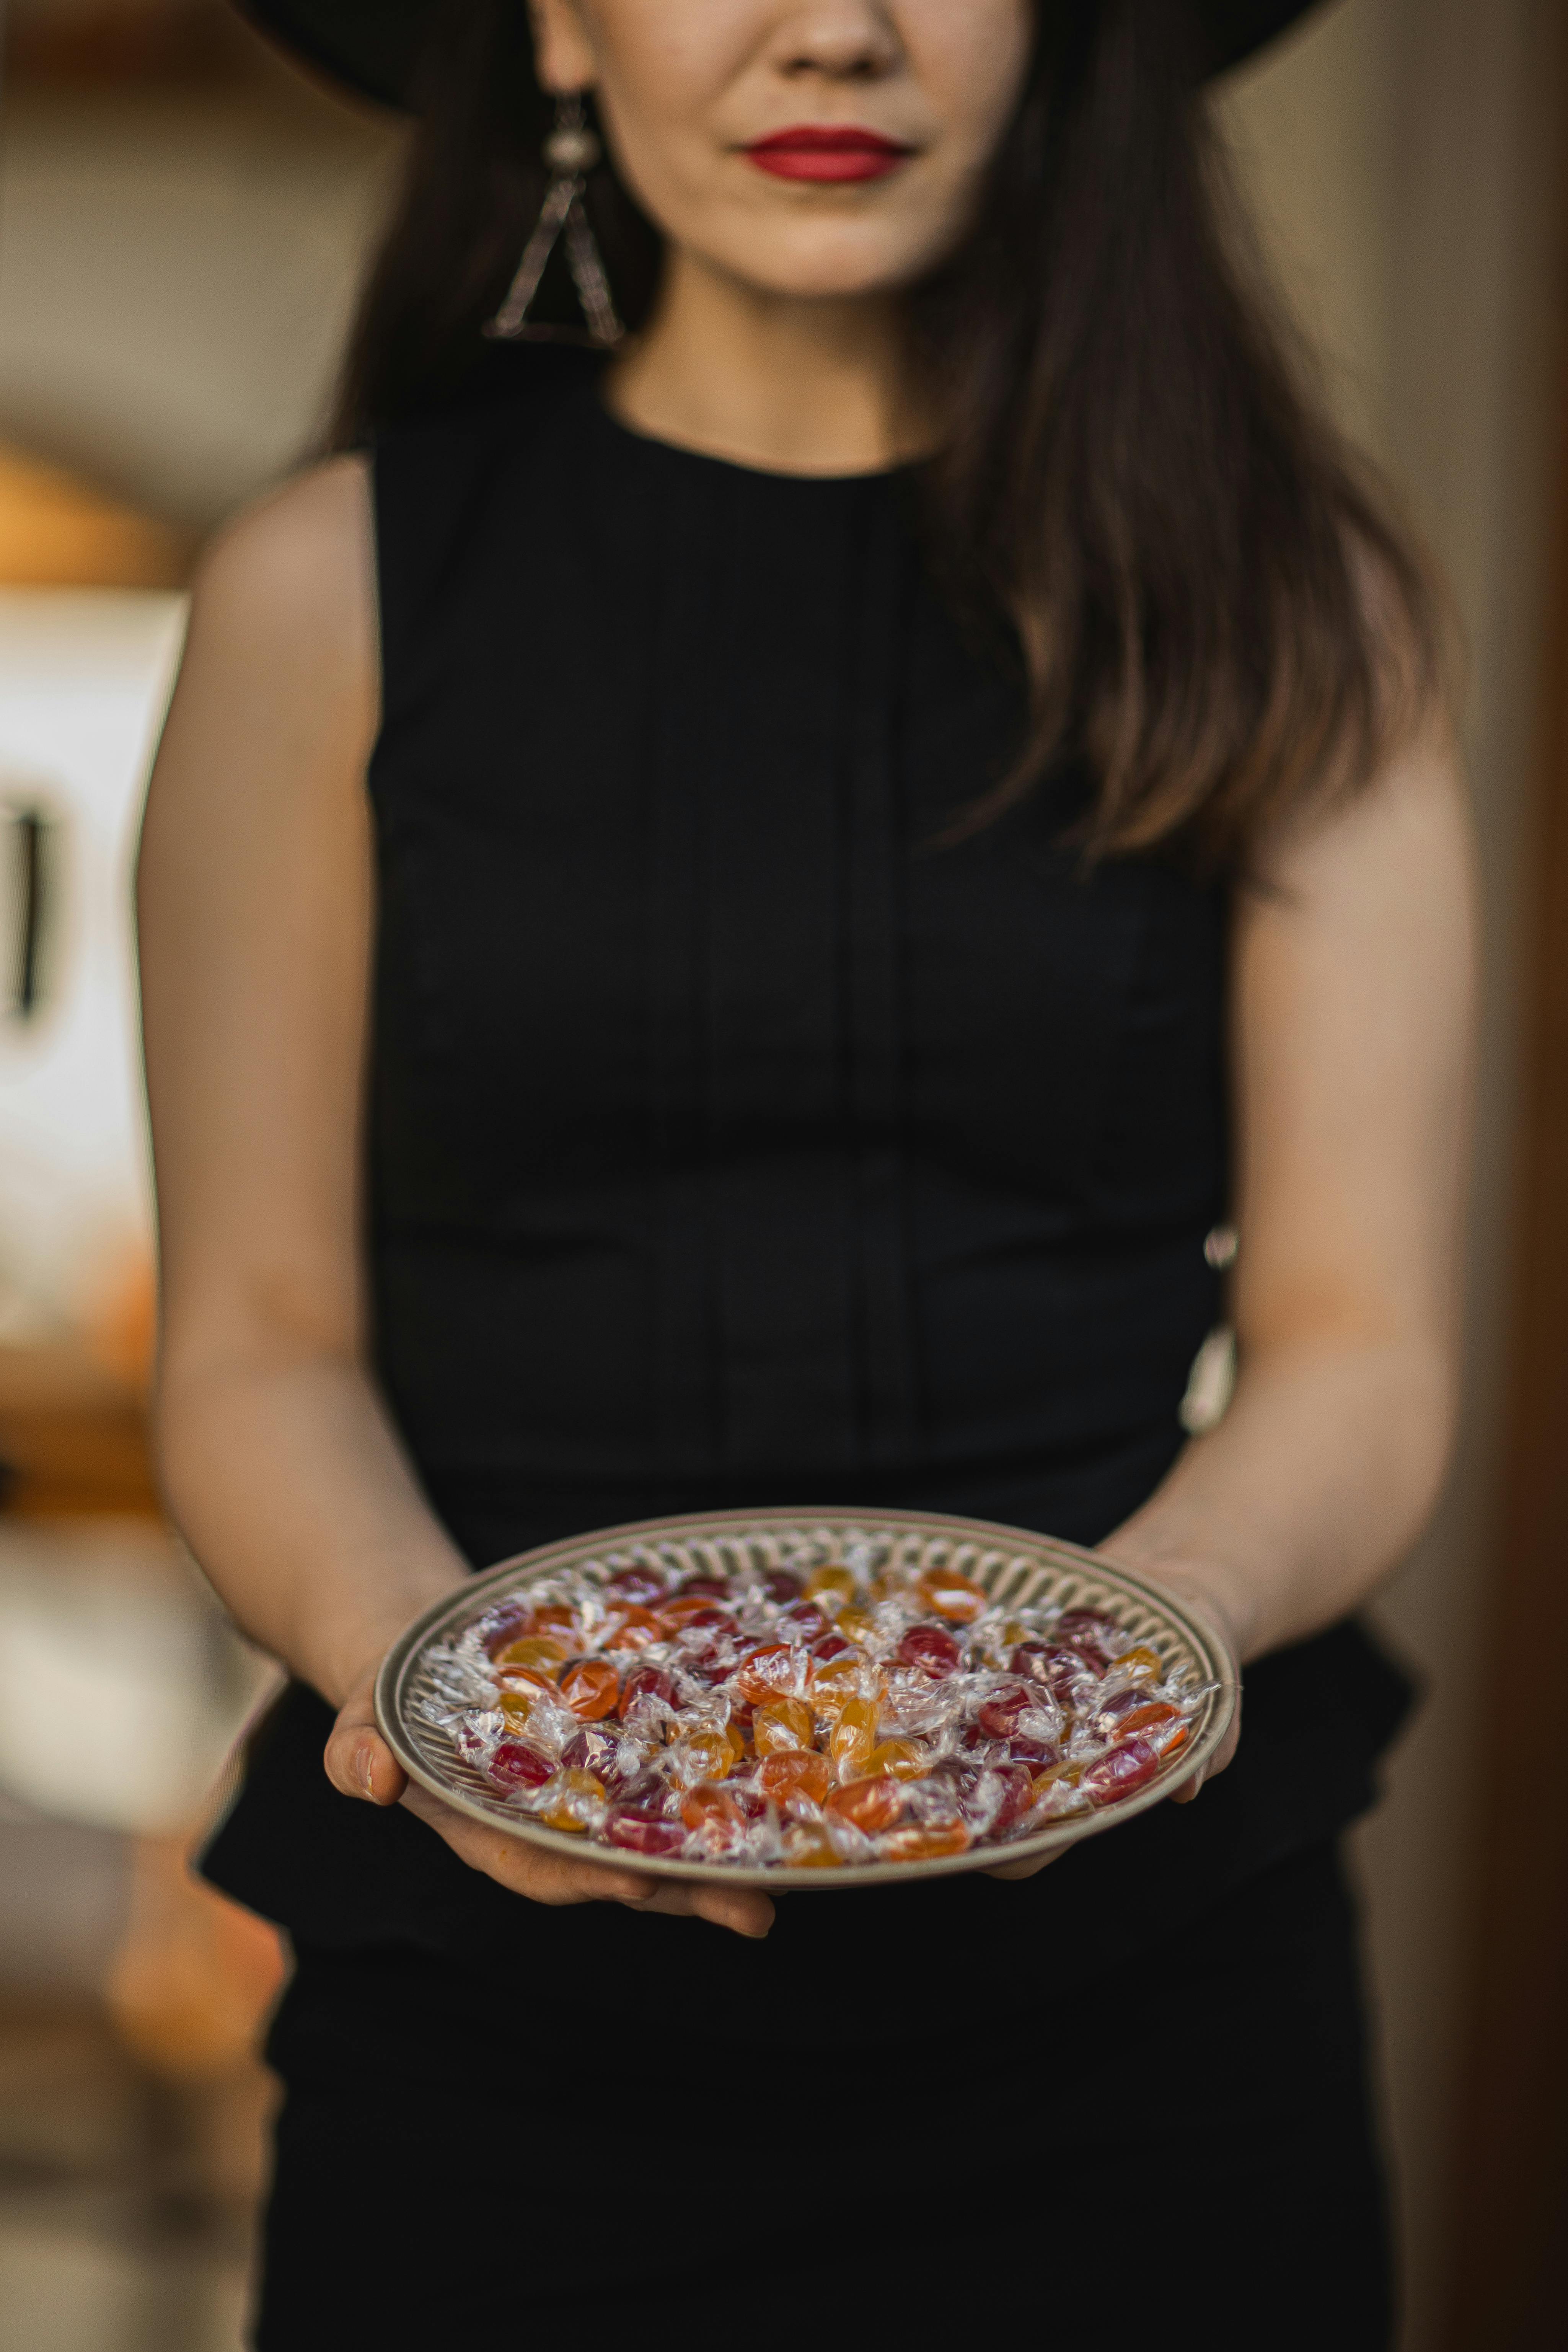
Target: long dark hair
pixel 1212 601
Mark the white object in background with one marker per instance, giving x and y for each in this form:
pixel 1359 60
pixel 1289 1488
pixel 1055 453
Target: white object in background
pixel 122 1686
pixel 85 679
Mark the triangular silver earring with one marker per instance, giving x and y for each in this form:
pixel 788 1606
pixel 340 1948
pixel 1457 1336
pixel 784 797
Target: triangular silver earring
pixel 570 151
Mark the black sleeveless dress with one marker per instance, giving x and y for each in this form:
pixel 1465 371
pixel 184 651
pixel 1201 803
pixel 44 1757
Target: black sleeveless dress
pixel 735 1138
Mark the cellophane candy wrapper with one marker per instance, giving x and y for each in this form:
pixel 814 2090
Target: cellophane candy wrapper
pixel 804 1720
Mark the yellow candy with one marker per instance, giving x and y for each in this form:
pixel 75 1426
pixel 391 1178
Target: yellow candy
pixel 856 1625
pixel 540 1652
pixel 897 1759
pixel 831 1578
pixel 705 1756
pixel 785 1725
pixel 836 1681
pixel 1141 1665
pixel 855 1737
pixel 807 1846
pixel 573 1797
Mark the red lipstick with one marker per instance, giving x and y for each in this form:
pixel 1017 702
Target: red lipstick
pixel 828 151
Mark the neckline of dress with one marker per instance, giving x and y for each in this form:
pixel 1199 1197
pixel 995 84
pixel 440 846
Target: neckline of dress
pixel 770 477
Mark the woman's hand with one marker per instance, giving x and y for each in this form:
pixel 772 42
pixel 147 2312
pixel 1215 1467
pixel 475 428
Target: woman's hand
pixel 359 1764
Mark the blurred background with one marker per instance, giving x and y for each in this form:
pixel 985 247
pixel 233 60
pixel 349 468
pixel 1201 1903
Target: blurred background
pixel 181 220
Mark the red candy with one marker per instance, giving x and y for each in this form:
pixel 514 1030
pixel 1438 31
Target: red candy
pixel 1017 1798
pixel 638 1584
pixel 647 1683
pixel 504 1624
pixel 517 1766
pixel 1063 1669
pixel 640 1831
pixel 932 1649
pixel 999 1714
pixel 596 1750
pixel 803 1621
pixel 1127 1769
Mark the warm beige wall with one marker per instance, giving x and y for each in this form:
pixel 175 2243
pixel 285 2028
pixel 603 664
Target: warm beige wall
pixel 1404 152
pixel 176 270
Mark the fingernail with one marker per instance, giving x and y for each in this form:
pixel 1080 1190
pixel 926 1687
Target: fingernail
pixel 364 1770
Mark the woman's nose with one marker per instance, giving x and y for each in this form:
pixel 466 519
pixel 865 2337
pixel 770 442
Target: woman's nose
pixel 844 40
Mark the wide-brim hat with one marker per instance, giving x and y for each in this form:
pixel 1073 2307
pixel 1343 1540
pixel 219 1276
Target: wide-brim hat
pixel 374 45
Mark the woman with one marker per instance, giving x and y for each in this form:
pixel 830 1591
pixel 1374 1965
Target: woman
pixel 731 925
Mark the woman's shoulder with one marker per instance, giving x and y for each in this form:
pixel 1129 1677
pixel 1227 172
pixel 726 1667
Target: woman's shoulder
pixel 289 584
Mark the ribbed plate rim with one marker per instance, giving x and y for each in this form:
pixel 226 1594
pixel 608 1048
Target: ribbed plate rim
pixel 465 1601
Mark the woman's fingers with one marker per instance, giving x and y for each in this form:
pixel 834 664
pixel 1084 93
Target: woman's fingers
pixel 524 1869
pixel 1028 1869
pixel 359 1761
pixel 1221 1758
pixel 739 1908
pixel 558 1880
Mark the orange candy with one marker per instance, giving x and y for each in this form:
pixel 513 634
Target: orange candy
pixel 766 1674
pixel 795 1773
pixel 897 1759
pixel 517 1705
pixel 926 1842
pixel 871 1806
pixel 785 1724
pixel 1154 1714
pixel 633 1628
pixel 592 1689
pixel 527 1683
pixel 715 1815
pixel 539 1653
pixel 947 1594
pixel 556 1617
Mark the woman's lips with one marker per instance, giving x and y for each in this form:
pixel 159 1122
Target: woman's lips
pixel 828 151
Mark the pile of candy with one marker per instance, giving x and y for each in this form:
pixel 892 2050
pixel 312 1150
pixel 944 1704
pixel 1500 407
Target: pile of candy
pixel 807 1719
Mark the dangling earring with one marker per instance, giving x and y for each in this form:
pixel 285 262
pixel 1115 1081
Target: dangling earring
pixel 570 151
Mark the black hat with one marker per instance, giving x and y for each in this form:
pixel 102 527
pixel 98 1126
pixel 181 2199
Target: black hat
pixel 373 45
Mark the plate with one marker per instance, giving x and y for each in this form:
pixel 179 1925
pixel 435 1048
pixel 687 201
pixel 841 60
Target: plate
pixel 1011 1564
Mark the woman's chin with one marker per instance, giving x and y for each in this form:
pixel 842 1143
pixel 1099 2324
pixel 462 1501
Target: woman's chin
pixel 841 271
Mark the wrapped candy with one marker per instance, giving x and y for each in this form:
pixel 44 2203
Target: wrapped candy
pixel 807 1718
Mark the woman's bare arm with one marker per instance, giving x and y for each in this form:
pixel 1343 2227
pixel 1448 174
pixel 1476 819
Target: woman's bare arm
pixel 1354 989
pixel 256 900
